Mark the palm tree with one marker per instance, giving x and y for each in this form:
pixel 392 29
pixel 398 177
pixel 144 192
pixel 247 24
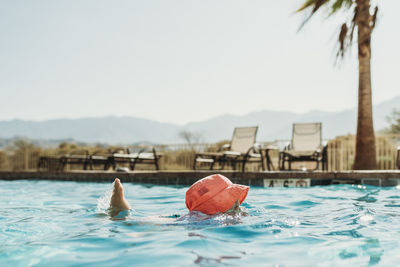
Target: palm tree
pixel 362 19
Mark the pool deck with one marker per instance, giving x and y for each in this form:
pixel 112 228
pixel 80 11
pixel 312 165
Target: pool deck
pixel 263 179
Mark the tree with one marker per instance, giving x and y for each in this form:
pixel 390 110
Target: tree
pixel 394 121
pixel 190 138
pixel 362 19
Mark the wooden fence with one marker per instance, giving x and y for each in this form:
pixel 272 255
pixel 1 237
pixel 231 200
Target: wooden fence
pixel 180 156
pixel 341 152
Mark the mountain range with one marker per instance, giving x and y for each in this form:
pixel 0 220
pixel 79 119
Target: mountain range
pixel 129 130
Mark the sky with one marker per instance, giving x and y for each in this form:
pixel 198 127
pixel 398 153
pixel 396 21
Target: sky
pixel 181 61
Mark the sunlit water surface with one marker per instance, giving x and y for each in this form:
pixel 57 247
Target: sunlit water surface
pixel 65 224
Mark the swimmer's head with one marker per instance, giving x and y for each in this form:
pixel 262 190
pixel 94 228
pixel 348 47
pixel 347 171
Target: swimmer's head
pixel 215 194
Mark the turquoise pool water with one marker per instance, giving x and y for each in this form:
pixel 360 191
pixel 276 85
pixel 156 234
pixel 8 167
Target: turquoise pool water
pixel 64 224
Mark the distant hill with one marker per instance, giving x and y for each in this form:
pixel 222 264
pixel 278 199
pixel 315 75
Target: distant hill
pixel 106 130
pixel 127 130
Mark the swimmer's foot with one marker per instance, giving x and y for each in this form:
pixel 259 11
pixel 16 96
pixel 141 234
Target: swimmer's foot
pixel 118 202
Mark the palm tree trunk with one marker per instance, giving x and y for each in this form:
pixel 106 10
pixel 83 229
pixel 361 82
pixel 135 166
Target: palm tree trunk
pixel 365 158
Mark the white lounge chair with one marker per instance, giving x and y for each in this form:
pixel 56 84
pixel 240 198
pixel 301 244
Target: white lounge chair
pixel 306 145
pixel 242 149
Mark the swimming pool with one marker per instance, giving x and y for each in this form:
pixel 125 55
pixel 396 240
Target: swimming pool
pixel 45 223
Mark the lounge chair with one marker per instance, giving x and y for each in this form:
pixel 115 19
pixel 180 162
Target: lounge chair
pixel 49 163
pixel 77 157
pixel 101 157
pixel 59 162
pixel 242 149
pixel 398 157
pixel 142 157
pixel 306 145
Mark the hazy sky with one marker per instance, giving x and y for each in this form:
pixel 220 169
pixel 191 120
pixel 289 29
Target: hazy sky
pixel 180 60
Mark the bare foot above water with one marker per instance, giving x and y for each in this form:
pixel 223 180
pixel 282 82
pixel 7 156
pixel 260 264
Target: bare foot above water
pixel 118 202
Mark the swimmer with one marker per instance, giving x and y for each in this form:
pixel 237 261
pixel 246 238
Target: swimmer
pixel 210 195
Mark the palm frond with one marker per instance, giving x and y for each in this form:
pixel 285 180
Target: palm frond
pixel 340 4
pixel 347 29
pixel 315 5
pixel 342 40
pixel 353 24
pixel 374 16
pixel 306 5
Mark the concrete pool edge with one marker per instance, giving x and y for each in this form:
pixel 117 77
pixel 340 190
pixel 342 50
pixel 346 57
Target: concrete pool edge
pixel 376 177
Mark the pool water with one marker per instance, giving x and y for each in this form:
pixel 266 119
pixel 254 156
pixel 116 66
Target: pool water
pixel 47 223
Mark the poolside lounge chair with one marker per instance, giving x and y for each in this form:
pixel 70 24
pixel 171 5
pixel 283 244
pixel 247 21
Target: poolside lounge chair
pixel 398 158
pixel 59 162
pixel 306 145
pixel 242 149
pixel 49 163
pixel 77 157
pixel 101 157
pixel 142 157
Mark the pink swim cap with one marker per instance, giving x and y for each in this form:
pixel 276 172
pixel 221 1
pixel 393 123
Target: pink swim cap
pixel 214 194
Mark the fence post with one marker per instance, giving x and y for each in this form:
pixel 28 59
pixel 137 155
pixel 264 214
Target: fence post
pixel 26 159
